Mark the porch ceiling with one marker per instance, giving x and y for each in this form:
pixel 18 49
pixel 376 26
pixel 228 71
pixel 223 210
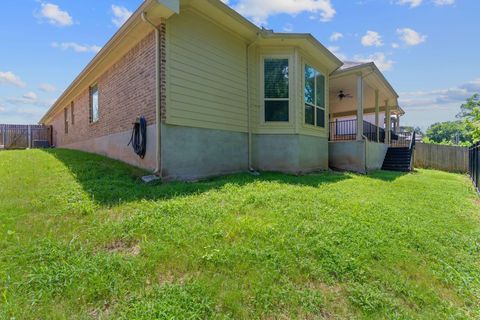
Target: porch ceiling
pixel 346 80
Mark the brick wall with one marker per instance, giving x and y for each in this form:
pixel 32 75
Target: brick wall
pixel 126 91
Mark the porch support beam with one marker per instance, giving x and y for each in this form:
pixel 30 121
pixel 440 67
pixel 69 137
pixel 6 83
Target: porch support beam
pixel 359 107
pixel 388 123
pixel 354 112
pixel 377 110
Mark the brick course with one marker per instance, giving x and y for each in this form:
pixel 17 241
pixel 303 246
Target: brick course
pixel 126 91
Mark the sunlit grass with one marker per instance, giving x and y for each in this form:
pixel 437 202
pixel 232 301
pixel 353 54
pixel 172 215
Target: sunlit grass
pixel 81 237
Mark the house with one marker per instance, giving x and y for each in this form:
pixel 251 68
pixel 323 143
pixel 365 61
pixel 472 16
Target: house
pixel 221 95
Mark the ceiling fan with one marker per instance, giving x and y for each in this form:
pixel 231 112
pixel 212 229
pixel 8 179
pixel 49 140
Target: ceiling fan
pixel 342 95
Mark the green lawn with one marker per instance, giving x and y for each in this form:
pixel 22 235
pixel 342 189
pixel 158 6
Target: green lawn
pixel 82 238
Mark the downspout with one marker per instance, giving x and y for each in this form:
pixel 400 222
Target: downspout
pixel 158 94
pixel 249 121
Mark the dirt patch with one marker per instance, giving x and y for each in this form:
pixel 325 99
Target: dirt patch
pixel 476 201
pixel 325 288
pixel 103 312
pixel 335 302
pixel 123 247
pixel 175 278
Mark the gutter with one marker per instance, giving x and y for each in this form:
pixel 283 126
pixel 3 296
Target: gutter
pixel 158 95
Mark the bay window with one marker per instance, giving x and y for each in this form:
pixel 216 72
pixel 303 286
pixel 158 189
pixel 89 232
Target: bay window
pixel 276 89
pixel 314 96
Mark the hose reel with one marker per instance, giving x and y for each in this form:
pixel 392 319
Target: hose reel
pixel 138 139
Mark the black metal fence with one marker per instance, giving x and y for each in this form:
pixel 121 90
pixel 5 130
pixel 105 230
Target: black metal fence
pixel 346 130
pixel 474 165
pixel 14 136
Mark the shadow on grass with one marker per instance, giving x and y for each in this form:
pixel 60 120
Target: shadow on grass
pixel 387 176
pixel 112 182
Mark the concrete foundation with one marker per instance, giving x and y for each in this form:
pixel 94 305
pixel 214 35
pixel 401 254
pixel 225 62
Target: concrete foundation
pixel 356 156
pixel 347 155
pixel 376 153
pixel 115 146
pixel 290 153
pixel 194 153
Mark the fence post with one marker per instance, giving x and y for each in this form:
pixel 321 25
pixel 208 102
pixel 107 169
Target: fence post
pixel 477 180
pixel 29 134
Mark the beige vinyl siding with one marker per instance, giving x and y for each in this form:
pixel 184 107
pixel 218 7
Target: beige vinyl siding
pixel 206 73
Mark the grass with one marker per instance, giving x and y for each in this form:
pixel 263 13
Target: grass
pixel 82 238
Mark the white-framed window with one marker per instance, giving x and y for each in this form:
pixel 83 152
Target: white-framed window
pixel 276 89
pixel 314 96
pixel 72 112
pixel 65 119
pixel 94 104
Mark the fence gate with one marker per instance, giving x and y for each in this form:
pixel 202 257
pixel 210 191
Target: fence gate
pixel 14 136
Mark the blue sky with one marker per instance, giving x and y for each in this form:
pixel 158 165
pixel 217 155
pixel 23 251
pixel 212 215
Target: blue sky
pixel 428 49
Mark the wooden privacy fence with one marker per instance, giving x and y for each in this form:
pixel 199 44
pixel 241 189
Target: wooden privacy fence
pixel 15 136
pixel 440 157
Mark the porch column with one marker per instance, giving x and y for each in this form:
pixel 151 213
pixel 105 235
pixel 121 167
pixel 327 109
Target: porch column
pixel 359 107
pixel 388 123
pixel 377 111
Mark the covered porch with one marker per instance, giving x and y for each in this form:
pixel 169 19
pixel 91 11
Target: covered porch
pixel 364 118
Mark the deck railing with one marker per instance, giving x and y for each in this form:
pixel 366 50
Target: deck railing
pixel 346 130
pixel 343 130
pixel 474 165
pixel 401 139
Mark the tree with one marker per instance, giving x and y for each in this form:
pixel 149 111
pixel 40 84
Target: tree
pixel 470 114
pixel 451 132
pixel 409 129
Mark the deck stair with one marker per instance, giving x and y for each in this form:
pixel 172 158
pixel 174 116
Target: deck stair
pixel 400 158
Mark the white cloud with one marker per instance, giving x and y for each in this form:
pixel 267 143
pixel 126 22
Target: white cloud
pixel 11 78
pixel 381 60
pixel 76 47
pixel 336 51
pixel 395 45
pixel 417 3
pixel 46 87
pixel 54 15
pixel 31 96
pixel 260 11
pixel 30 111
pixel 372 38
pixel 336 36
pixel 437 97
pixel 288 27
pixel 411 37
pixel 411 3
pixel 121 15
pixel 444 2
pixel 30 99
